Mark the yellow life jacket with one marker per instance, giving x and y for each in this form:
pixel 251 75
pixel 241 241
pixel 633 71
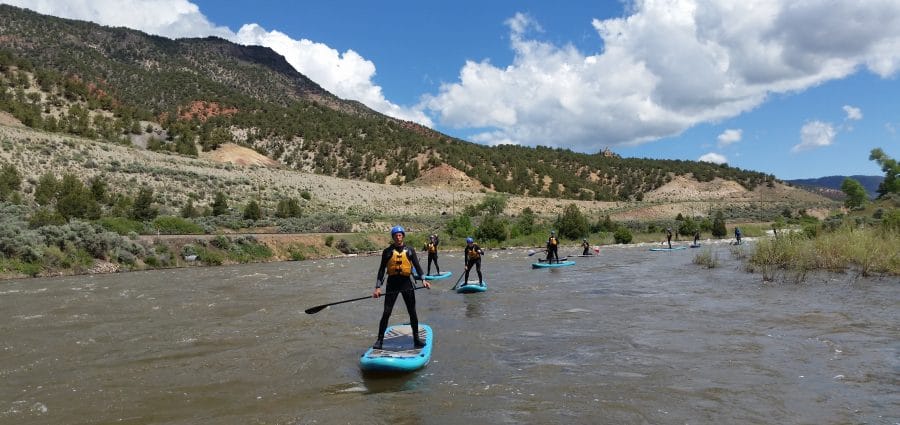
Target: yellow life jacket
pixel 432 248
pixel 473 252
pixel 399 264
pixel 553 241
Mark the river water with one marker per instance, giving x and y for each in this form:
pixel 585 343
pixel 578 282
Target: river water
pixel 628 337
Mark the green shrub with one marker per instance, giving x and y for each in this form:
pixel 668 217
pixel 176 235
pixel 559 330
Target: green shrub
pixel 120 225
pixel 329 240
pixel 172 225
pixel 344 246
pixel 707 258
pixel 622 235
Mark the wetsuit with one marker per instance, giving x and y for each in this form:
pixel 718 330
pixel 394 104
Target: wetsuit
pixel 696 238
pixel 587 248
pixel 431 249
pixel 472 256
pixel 737 235
pixel 552 249
pixel 398 280
pixel 669 237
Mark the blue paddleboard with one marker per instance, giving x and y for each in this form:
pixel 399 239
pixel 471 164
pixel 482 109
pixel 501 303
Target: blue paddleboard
pixel 552 265
pixel 695 246
pixel 397 353
pixel 443 275
pixel 471 287
pixel 674 248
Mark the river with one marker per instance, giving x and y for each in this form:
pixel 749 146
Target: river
pixel 627 337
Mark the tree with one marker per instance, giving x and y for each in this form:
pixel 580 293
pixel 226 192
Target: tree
pixel 45 190
pixel 492 228
pixel 288 208
pixel 220 204
pixel 891 182
pixel 142 208
pixel 572 224
pixel 252 211
pixel 526 221
pixel 75 200
pixel 189 210
pixel 718 227
pixel 461 226
pixel 10 181
pixel 856 193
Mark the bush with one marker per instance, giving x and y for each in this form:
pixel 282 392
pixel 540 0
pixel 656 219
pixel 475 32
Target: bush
pixel 492 228
pixel 622 235
pixel 572 224
pixel 329 240
pixel 344 246
pixel 171 225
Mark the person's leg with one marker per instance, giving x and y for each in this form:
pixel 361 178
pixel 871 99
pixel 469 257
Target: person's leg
pixel 478 269
pixel 409 298
pixel 436 266
pixel 428 269
pixel 468 269
pixel 389 301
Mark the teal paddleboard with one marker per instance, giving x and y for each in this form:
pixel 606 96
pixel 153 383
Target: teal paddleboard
pixel 471 287
pixel 674 248
pixel 397 353
pixel 552 265
pixel 443 275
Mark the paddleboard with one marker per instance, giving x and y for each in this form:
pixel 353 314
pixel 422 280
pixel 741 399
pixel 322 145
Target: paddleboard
pixel 674 248
pixel 443 275
pixel 589 255
pixel 552 265
pixel 695 246
pixel 471 287
pixel 397 353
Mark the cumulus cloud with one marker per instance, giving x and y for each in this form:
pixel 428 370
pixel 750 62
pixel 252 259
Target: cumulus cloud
pixel 815 134
pixel 714 158
pixel 347 75
pixel 853 113
pixel 665 67
pixel 730 136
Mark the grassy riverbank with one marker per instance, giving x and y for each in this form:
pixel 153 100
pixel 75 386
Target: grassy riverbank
pixel 867 251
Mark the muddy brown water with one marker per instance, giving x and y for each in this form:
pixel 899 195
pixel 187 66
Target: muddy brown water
pixel 630 336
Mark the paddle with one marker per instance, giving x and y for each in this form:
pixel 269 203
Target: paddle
pixel 461 276
pixel 318 308
pixel 532 252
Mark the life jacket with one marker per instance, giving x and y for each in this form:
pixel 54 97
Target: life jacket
pixel 431 247
pixel 473 252
pixel 553 241
pixel 399 265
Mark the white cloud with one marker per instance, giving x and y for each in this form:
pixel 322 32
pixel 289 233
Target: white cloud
pixel 667 66
pixel 346 75
pixel 730 136
pixel 714 158
pixel 815 134
pixel 853 113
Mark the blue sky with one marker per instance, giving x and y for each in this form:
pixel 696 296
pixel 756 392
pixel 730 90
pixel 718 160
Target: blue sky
pixel 794 89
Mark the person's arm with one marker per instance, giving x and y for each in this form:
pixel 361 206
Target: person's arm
pixel 415 262
pixel 379 278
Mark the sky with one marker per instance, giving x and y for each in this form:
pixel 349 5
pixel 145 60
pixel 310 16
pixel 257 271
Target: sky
pixel 797 89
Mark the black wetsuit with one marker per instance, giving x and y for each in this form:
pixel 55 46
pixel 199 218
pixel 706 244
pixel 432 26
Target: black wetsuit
pixel 669 237
pixel 473 261
pixel 696 238
pixel 587 248
pixel 396 284
pixel 552 249
pixel 432 257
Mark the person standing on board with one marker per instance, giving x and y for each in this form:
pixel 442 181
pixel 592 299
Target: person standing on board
pixel 552 247
pixel 737 235
pixel 669 236
pixel 697 238
pixel 431 249
pixel 586 246
pixel 398 260
pixel 472 257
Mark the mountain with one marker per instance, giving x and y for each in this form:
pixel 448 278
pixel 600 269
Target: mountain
pixel 189 96
pixel 830 186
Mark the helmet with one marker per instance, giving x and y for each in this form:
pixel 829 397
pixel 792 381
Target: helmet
pixel 470 240
pixel 553 232
pixel 584 240
pixel 397 229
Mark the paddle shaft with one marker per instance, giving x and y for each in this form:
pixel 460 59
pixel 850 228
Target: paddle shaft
pixel 318 308
pixel 455 285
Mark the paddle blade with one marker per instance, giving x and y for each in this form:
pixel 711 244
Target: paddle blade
pixel 316 309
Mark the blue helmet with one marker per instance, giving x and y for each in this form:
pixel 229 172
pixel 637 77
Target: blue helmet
pixel 470 240
pixel 397 229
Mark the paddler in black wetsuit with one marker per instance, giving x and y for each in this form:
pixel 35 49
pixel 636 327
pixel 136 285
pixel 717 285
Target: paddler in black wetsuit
pixel 431 248
pixel 552 247
pixel 398 260
pixel 472 257
pixel 586 246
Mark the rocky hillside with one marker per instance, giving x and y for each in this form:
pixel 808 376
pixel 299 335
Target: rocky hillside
pixel 191 96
